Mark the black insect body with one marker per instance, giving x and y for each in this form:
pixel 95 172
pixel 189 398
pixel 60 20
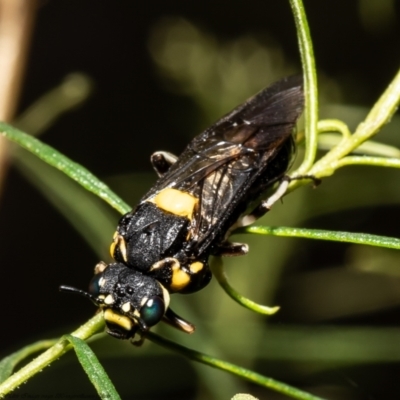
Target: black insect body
pixel 162 246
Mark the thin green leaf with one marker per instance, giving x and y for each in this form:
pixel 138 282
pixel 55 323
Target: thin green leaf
pixel 64 164
pixel 93 369
pixel 8 364
pixel 88 214
pixel 93 326
pixel 233 369
pixel 319 234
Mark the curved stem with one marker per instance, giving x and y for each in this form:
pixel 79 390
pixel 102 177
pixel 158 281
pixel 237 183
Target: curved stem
pixel 334 125
pixel 380 114
pixel 310 85
pixel 219 273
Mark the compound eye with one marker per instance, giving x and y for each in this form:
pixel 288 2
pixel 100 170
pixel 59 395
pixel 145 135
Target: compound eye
pixel 153 310
pixel 95 284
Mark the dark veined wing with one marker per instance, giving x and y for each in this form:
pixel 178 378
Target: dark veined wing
pixel 221 164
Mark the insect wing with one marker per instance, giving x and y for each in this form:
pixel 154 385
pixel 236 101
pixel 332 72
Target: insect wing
pixel 221 165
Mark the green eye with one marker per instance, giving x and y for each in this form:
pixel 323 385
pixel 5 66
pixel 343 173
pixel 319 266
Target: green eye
pixel 153 310
pixel 94 285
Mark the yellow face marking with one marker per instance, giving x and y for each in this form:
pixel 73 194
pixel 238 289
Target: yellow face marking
pixel 143 302
pixel 118 319
pixel 109 300
pixel 126 307
pixel 118 241
pixel 180 278
pixel 196 267
pixel 176 202
pixel 102 281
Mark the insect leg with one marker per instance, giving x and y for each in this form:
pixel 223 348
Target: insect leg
pixel 187 278
pixel 266 205
pixel 238 249
pixel 178 322
pixel 161 161
pixel 231 249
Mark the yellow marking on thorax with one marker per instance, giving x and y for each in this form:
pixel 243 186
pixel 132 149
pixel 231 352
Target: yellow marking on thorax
pixel 112 249
pixel 196 267
pixel 113 244
pixel 176 202
pixel 118 319
pixel 180 278
pixel 118 241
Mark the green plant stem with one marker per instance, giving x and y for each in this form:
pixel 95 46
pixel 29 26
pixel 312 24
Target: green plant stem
pixel 310 85
pixel 94 325
pixel 334 125
pixel 219 273
pixel 367 160
pixel 8 364
pixel 326 141
pixel 233 369
pixel 319 234
pixel 380 114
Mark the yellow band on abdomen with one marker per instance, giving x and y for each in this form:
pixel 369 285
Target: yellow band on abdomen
pixel 176 202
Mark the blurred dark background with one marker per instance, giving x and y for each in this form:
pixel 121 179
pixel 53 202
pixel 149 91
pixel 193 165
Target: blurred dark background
pixel 138 106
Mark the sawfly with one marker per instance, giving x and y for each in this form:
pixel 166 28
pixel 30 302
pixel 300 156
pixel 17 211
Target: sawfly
pixel 217 184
